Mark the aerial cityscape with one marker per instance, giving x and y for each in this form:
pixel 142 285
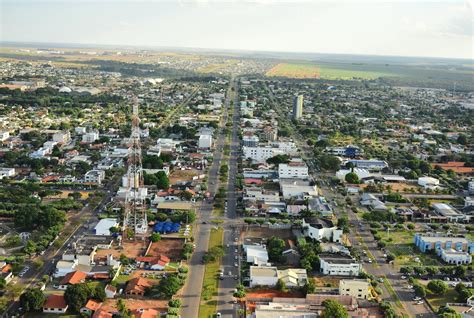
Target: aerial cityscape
pixel 216 172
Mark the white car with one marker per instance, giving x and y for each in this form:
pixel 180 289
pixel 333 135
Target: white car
pixel 236 265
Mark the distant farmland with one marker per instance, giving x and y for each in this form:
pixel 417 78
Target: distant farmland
pixel 293 70
pixel 309 70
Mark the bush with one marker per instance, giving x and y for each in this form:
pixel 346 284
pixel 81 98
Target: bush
pixel 437 287
pixel 176 303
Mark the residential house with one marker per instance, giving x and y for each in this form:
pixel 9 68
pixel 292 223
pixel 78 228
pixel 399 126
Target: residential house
pixel 137 286
pixel 90 307
pixel 55 304
pixel 72 278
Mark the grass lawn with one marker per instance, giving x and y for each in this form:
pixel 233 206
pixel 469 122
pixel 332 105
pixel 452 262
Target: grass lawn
pixel 122 279
pixel 437 301
pixel 208 305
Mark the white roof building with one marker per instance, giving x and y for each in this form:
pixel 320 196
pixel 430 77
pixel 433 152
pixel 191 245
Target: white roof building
pixel 104 225
pixel 256 254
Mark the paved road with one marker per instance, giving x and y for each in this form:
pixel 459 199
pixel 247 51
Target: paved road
pixel 230 263
pixel 191 294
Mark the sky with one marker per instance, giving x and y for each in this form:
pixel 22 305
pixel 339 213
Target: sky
pixel 380 27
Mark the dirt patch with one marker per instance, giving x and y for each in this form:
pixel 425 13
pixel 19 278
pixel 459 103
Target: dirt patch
pixel 265 232
pixel 326 282
pixel 65 194
pixel 172 248
pixel 130 249
pixel 161 305
pixel 183 175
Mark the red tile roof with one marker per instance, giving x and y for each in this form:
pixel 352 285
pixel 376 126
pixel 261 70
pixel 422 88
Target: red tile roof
pixel 101 313
pixel 137 285
pixel 145 313
pixel 55 301
pixel 73 278
pixel 92 305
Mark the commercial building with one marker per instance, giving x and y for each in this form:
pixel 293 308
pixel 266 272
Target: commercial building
pixel 256 254
pixel 90 137
pixel 104 226
pixel 205 142
pixel 261 154
pixel 433 242
pixel 451 214
pixel 250 141
pixel 358 288
pixel 62 137
pixel 298 189
pixel 94 176
pixel 452 256
pixel 263 276
pixel 297 107
pixel 428 182
pixel 339 264
pixel 296 169
pixel 371 164
pixel 269 276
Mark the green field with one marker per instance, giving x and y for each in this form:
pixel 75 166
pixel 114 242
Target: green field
pixel 210 285
pixel 400 244
pixel 400 74
pixel 322 71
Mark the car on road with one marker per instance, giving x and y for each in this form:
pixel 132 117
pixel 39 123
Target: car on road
pixel 404 277
pixel 236 250
pixel 236 265
pixel 218 315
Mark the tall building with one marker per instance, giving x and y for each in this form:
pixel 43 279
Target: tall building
pixel 297 107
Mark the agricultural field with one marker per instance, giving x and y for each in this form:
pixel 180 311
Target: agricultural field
pixel 309 70
pixel 293 70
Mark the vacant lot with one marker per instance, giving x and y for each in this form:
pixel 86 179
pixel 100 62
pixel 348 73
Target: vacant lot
pixel 183 175
pixel 132 304
pixel 265 232
pixel 172 248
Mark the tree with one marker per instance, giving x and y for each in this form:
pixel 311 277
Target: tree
pixel 32 299
pixel 281 286
pixel 30 247
pixel 420 290
pixel 99 293
pixel 167 287
pixel 460 271
pixel 175 303
pixel 437 287
pixel 333 309
pixel 162 181
pixel 276 160
pixel 309 287
pixel 240 291
pixel 76 296
pixel 447 312
pixel 352 178
pixel 275 246
pixel 155 237
pixel 463 292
